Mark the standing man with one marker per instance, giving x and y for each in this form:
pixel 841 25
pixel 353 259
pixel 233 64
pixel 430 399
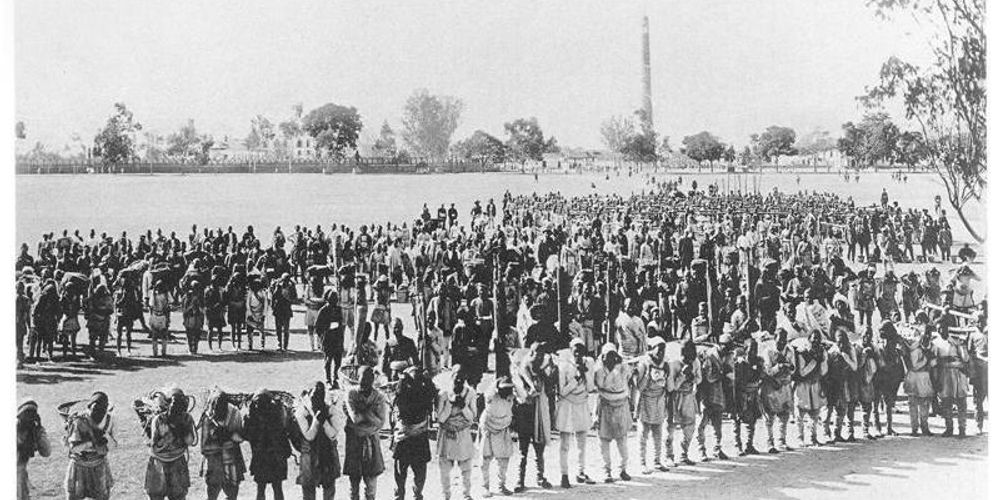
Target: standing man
pixel 868 366
pixel 952 360
pixel 891 373
pixel 399 348
pixel 221 426
pixel 257 304
pixel 767 293
pixel 810 368
pixel 31 439
pixel 23 318
pixel 87 436
pixel 170 435
pixel 713 395
pixel 682 405
pixel 283 295
pixel 613 415
pixel 215 308
pixel 917 385
pixel 330 329
pixel 498 440
pixel 533 382
pixel 235 294
pixel 841 387
pixel 748 370
pixel 319 423
pixel 194 314
pixel 651 384
pixel 776 390
pixel 159 318
pixel 410 444
pixel 573 413
pixel 977 344
pixel 366 413
pixel 456 413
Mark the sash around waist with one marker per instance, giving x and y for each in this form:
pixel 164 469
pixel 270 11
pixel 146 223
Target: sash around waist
pixel 614 402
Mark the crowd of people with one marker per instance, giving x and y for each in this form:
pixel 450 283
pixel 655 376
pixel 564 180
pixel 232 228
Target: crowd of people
pixel 600 313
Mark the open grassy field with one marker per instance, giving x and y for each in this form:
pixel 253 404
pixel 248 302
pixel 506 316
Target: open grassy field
pixel 133 203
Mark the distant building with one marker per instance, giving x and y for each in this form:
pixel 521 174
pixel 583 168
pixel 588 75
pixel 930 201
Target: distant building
pixel 236 151
pixel 303 147
pixel 830 158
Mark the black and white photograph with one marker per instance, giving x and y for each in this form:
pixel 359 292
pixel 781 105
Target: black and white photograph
pixel 442 249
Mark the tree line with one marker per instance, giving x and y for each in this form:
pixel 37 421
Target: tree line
pixel 874 140
pixel 429 123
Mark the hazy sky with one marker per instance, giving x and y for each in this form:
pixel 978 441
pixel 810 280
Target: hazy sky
pixel 730 67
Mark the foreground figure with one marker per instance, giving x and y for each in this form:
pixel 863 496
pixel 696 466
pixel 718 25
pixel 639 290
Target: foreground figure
pixel 456 413
pixel 31 439
pixel 171 432
pixel 498 440
pixel 613 416
pixel 221 426
pixel 367 410
pixel 573 413
pixel 87 436
pixel 319 419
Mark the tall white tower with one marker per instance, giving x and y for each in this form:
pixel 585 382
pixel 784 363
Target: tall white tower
pixel 647 83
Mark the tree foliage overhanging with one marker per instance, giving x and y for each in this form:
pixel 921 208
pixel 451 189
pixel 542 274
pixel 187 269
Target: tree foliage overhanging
pixel 947 97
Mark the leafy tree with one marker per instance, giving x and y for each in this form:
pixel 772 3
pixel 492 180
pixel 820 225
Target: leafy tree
pixel 261 134
pixel 871 141
pixel 729 155
pixel 947 98
pixel 334 127
pixel 187 145
pixel 774 142
pixel 526 140
pixel 429 122
pixel 746 156
pixel 115 143
pixel 640 148
pixel 615 131
pixel 850 144
pixel 483 147
pixel 19 132
pixel 815 142
pixel 879 136
pixel 911 148
pixel 385 145
pixel 703 146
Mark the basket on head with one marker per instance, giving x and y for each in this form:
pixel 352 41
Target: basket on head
pixel 68 408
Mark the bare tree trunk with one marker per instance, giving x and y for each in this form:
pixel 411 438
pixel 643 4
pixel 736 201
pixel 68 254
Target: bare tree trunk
pixel 965 222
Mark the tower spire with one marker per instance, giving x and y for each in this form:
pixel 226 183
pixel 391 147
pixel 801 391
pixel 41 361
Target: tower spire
pixel 647 84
